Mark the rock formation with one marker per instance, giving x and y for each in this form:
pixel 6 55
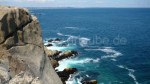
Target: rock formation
pixel 90 82
pixel 64 75
pixel 65 54
pixel 54 40
pixel 23 58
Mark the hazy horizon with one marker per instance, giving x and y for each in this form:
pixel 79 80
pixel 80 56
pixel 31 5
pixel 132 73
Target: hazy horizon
pixel 78 3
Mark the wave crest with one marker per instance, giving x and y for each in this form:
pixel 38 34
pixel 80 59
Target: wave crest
pixel 110 52
pixel 67 63
pixel 131 71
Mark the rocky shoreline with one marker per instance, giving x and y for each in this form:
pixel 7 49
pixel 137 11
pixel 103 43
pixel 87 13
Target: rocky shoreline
pixel 23 57
pixel 55 56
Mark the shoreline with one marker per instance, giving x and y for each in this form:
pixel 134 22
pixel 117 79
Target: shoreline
pixel 57 55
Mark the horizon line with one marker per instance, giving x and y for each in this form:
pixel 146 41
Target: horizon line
pixel 44 7
pixel 83 7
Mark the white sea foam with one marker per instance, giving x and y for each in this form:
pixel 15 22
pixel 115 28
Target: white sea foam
pixel 111 53
pixel 70 27
pixel 71 38
pixel 56 48
pixel 60 48
pixel 70 80
pixel 83 41
pixel 61 42
pixel 113 59
pixel 45 42
pixel 131 73
pixel 79 80
pixel 84 38
pixel 76 28
pixel 120 66
pixel 60 34
pixel 66 63
pixel 57 45
pixel 87 76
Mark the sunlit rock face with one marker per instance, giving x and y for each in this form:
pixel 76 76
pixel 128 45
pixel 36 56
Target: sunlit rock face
pixel 22 55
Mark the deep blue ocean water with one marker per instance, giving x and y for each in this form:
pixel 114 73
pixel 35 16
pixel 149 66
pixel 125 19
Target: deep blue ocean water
pixel 113 43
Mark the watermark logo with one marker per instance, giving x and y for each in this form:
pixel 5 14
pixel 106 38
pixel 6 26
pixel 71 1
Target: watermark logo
pixel 98 40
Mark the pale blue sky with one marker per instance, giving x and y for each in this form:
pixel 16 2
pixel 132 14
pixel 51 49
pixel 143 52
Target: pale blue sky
pixel 77 3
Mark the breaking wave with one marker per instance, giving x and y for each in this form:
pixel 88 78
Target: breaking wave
pixel 131 71
pixel 67 63
pixel 83 41
pixel 110 52
pixel 75 28
pixel 71 27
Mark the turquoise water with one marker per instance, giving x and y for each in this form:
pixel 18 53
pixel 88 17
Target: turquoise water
pixel 113 44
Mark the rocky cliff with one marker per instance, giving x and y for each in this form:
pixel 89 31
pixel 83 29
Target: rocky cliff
pixel 22 55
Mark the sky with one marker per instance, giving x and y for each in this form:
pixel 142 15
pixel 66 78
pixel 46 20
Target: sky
pixel 78 3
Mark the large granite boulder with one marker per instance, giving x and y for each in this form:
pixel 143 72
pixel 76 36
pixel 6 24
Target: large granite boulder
pixel 22 49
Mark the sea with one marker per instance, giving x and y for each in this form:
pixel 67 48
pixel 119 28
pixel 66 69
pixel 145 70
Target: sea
pixel 113 43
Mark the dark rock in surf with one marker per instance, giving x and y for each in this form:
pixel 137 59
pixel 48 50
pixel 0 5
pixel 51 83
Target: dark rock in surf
pixel 51 40
pixel 64 75
pixel 48 45
pixel 57 39
pixel 90 82
pixel 66 54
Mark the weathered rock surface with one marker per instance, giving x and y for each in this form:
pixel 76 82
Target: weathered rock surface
pixel 54 62
pixel 23 59
pixel 24 78
pixel 52 53
pixel 55 56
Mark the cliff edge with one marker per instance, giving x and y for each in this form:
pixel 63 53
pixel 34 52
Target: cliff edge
pixel 22 56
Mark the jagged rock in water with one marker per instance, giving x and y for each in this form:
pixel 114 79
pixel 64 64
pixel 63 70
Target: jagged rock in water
pixel 70 70
pixel 53 40
pixel 22 49
pixel 64 75
pixel 48 45
pixel 90 82
pixel 66 54
pixel 57 39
